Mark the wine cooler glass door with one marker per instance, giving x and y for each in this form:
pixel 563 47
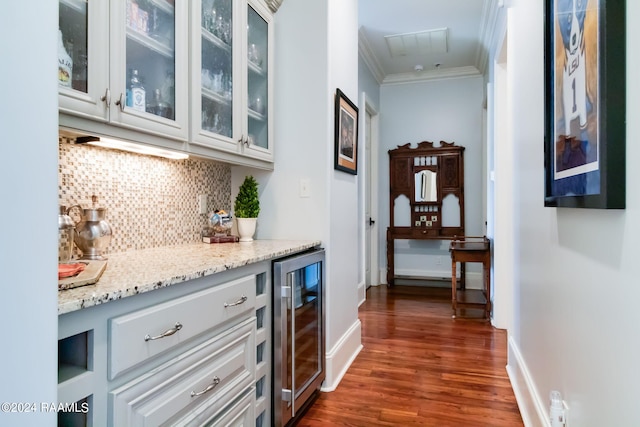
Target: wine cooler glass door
pixel 298 329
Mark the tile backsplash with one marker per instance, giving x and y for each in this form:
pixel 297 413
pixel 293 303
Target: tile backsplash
pixel 150 201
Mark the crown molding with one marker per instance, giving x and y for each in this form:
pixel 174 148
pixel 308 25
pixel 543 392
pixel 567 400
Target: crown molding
pixel 274 4
pixel 432 75
pixel 366 53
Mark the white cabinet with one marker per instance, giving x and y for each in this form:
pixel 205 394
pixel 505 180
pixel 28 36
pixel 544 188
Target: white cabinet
pixel 103 44
pixel 231 82
pixel 193 388
pixel 127 363
pixel 138 336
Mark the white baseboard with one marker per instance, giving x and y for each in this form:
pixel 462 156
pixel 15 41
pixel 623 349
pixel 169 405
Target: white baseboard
pixel 341 356
pixel 362 293
pixel 531 406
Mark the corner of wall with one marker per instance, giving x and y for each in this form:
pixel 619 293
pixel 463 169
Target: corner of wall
pixel 341 356
pixel 529 401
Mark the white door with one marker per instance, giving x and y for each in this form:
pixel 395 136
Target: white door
pixel 370 190
pixel 368 238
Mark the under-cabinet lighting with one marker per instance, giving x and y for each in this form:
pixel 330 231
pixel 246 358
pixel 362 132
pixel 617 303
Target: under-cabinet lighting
pixel 132 147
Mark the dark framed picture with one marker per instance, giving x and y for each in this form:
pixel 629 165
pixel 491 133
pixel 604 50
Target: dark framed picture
pixel 346 134
pixel 585 85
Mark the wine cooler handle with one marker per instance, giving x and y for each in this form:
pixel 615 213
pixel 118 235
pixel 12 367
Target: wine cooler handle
pixel 166 333
pixel 119 103
pixel 106 98
pixel 207 389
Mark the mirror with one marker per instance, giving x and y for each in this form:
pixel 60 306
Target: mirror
pixel 426 186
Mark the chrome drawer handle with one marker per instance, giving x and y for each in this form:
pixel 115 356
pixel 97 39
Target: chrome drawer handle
pixel 210 387
pixel 166 333
pixel 242 299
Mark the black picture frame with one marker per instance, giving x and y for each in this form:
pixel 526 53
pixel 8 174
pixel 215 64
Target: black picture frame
pixel 346 134
pixel 585 105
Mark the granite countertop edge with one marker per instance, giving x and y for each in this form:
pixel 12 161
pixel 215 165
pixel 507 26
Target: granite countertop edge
pixel 136 272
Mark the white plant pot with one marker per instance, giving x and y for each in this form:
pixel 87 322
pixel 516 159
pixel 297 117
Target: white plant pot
pixel 246 228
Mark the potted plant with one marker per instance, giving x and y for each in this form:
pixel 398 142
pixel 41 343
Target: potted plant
pixel 247 208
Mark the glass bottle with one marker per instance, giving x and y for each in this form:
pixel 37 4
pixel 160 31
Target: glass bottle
pixel 65 64
pixel 136 96
pixel 168 92
pixel 158 106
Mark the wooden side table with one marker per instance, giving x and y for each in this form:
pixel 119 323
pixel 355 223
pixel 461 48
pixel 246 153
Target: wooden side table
pixel 471 249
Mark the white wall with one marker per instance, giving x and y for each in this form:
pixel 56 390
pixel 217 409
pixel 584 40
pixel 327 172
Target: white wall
pixel 439 110
pixel 28 183
pixel 577 284
pixel 367 83
pixel 311 61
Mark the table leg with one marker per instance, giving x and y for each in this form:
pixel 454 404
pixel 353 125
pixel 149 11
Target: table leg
pixel 454 286
pixel 486 267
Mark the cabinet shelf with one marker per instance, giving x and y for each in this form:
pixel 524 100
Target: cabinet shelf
pixel 256 116
pixel 74 355
pixel 68 371
pixel 257 69
pixel 163 5
pixel 206 35
pixel 150 43
pixel 215 96
pixel 79 6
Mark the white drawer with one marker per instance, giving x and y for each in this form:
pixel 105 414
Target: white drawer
pixel 242 414
pixel 138 336
pixel 164 396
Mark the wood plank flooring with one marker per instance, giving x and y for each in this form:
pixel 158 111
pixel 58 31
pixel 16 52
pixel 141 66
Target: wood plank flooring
pixel 420 367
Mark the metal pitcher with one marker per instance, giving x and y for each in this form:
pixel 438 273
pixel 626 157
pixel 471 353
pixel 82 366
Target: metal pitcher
pixel 93 232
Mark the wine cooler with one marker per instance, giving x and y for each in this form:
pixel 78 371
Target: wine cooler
pixel 298 334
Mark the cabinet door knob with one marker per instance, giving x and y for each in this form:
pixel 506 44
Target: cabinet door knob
pixel 119 102
pixel 106 98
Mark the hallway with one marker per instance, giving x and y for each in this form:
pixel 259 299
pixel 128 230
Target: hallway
pixel 419 367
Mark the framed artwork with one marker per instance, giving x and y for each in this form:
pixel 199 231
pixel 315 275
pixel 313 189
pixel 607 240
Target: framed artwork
pixel 585 86
pixel 346 134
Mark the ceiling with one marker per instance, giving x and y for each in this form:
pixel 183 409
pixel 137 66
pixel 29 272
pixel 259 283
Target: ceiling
pixel 462 21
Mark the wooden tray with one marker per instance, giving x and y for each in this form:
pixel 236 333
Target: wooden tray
pixel 89 276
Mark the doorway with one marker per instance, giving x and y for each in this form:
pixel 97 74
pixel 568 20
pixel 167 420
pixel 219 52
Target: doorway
pixel 369 197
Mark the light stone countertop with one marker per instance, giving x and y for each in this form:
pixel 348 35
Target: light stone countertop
pixel 136 272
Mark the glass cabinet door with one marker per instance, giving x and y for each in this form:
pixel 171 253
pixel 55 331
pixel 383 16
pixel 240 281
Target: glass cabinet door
pixel 150 57
pixel 217 67
pixel 72 45
pixel 83 58
pixel 257 80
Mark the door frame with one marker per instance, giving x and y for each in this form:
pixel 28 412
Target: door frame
pixel 369 172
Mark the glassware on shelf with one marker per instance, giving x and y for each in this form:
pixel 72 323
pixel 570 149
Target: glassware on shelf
pixel 216 84
pixel 159 107
pixel 254 55
pixel 168 91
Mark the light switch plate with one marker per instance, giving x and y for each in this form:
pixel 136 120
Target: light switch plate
pixel 305 187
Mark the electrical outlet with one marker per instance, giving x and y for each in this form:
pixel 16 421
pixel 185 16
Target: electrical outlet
pixel 202 204
pixel 438 260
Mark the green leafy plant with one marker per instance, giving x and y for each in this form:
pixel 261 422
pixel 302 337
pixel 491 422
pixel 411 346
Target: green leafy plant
pixel 247 204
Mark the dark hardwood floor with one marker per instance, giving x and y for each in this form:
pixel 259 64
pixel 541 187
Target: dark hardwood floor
pixel 420 367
